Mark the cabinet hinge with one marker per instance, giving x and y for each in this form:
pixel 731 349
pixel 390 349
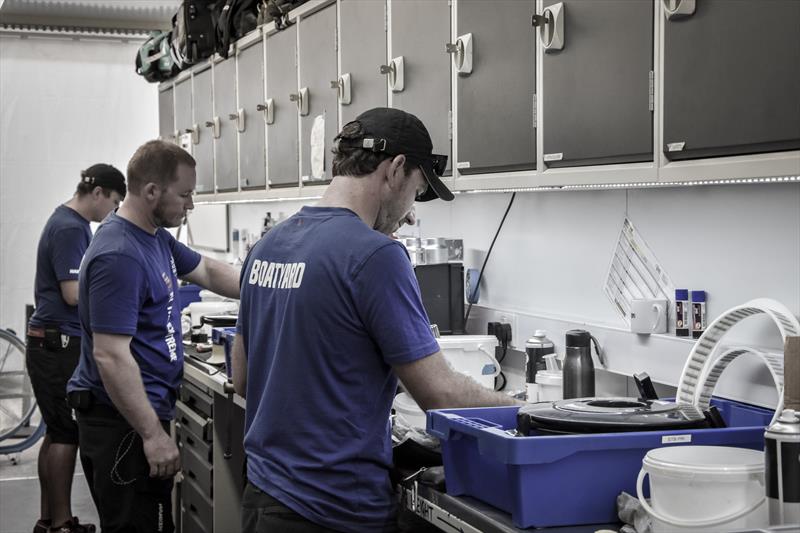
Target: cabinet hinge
pixel 450 124
pixel 535 112
pixel 651 99
pixel 385 17
pixel 336 38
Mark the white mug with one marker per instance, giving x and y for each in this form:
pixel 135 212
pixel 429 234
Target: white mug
pixel 648 315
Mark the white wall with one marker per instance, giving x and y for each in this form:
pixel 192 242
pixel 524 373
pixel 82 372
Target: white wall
pixel 66 104
pixel 548 267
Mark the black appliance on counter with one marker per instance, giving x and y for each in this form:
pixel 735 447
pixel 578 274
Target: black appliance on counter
pixel 442 289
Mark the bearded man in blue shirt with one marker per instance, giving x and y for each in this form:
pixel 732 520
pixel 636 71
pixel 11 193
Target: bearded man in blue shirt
pixel 330 317
pixel 125 387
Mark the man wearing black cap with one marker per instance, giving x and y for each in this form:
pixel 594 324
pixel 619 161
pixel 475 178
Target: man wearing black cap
pixel 54 331
pixel 330 317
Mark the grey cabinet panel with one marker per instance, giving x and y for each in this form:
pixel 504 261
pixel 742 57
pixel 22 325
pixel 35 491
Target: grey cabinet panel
pixel 225 108
pixel 166 114
pixel 362 43
pixel 596 89
pixel 420 31
pixel 317 68
pixel 250 84
pixel 204 117
pixel 730 90
pixel 183 106
pixel 496 128
pixel 282 147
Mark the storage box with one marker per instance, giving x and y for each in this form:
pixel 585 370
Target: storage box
pixel 224 337
pixel 555 480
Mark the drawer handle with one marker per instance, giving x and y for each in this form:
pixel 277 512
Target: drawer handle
pixel 190 441
pixel 192 475
pixel 193 508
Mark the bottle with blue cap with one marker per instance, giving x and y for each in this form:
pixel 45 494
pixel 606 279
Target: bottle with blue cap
pixel 698 313
pixel 682 319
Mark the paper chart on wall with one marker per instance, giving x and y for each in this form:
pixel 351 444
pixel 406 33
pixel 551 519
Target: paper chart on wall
pixel 318 148
pixel 634 272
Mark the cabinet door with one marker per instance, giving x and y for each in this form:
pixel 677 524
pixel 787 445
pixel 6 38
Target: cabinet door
pixel 420 33
pixel 596 101
pixel 282 147
pixel 204 118
pixel 183 106
pixel 362 46
pixel 317 68
pixel 496 121
pixel 166 115
pixel 250 84
pixel 225 108
pixel 732 79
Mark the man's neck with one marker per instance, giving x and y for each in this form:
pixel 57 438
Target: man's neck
pixel 355 194
pixel 81 206
pixel 135 212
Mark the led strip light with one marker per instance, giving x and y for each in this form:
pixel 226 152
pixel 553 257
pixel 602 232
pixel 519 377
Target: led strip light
pixel 701 364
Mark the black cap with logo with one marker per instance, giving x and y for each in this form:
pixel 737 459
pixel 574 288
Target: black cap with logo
pixel 395 132
pixel 106 176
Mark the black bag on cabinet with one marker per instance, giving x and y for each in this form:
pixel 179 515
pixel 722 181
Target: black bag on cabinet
pixel 154 61
pixel 277 10
pixel 193 29
pixel 236 19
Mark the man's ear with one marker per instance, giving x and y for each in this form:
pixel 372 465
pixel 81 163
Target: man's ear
pixel 97 192
pixel 151 191
pixel 396 171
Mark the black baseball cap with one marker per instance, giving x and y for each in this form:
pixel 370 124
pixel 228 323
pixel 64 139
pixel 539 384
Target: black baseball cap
pixel 106 176
pixel 395 132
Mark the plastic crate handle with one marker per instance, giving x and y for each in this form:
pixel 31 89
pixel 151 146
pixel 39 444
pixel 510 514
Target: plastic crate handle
pixel 689 523
pixel 475 427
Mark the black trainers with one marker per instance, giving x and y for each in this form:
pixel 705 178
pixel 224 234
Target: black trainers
pixel 73 526
pixel 42 526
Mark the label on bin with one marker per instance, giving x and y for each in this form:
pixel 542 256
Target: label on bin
pixel 671 439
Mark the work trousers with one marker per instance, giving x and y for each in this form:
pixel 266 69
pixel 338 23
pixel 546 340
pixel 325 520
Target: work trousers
pixel 128 500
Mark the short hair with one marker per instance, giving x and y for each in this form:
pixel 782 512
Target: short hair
pixel 156 162
pixel 352 160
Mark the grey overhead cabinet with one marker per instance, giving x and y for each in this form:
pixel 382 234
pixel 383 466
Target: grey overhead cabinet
pixel 166 113
pixel 419 67
pixel 494 57
pixel 184 123
pixel 731 77
pixel 231 122
pixel 250 84
pixel 316 95
pixel 208 128
pixel 362 47
pixel 597 75
pixel 282 146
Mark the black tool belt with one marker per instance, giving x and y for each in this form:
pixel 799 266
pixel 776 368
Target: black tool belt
pixel 51 338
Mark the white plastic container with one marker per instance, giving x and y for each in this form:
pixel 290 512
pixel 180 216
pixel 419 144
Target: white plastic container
pixel 411 413
pixel 550 385
pixel 704 488
pixel 472 355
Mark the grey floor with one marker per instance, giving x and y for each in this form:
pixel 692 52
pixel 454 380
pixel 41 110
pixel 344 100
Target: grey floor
pixel 19 493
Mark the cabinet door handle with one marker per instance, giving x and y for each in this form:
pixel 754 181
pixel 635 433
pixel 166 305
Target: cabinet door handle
pixel 214 124
pixel 239 118
pixel 395 70
pixel 301 99
pixel 342 86
pixel 678 9
pixel 551 27
pixel 268 108
pixel 462 53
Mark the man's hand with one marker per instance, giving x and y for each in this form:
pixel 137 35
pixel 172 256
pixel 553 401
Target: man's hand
pixel 162 455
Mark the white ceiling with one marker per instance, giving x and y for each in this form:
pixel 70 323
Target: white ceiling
pixel 101 14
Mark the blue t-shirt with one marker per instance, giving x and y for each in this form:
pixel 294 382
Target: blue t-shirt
pixel 128 286
pixel 58 258
pixel 328 306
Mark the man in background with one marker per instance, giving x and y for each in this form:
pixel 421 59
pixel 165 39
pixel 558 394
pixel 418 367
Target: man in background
pixel 54 336
pixel 330 317
pixel 126 384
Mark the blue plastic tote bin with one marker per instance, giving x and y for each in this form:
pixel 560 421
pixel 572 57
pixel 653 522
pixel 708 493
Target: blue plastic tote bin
pixel 557 480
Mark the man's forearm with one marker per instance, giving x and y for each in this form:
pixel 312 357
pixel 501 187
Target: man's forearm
pixel 217 277
pixel 123 382
pixel 463 391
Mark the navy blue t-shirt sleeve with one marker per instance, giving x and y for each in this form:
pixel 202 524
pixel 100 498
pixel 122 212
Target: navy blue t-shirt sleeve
pixel 185 258
pixel 116 287
pixel 67 248
pixel 388 300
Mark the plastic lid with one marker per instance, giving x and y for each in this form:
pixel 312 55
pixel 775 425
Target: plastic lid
pixel 540 333
pixel 681 294
pixel 698 296
pixel 683 460
pixel 466 342
pixel 578 338
pixel 549 377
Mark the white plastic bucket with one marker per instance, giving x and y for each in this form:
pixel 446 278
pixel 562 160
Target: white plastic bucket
pixel 704 488
pixel 472 355
pixel 550 384
pixel 411 413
